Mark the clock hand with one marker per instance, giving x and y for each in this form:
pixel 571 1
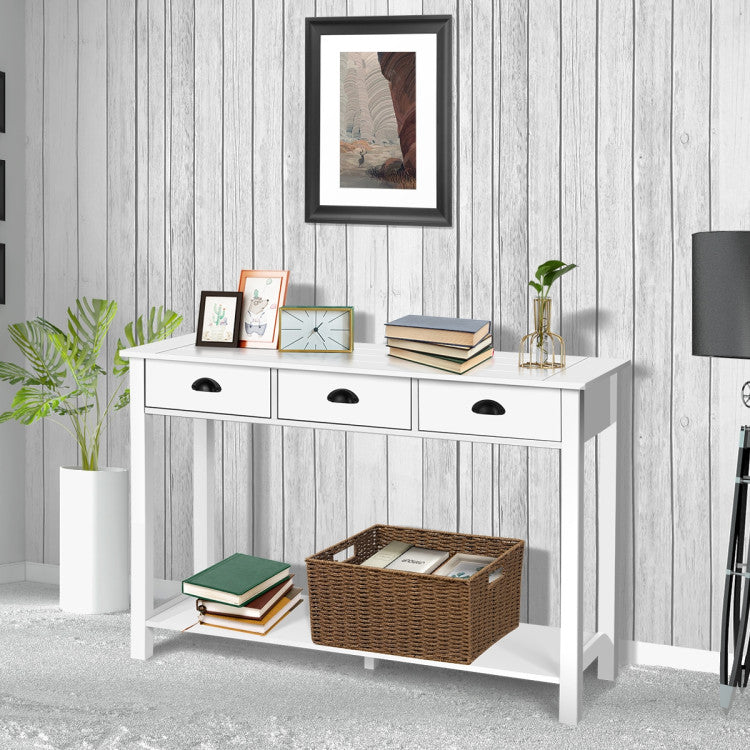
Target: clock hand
pixel 321 335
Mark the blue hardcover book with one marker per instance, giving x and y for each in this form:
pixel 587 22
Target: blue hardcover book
pixel 430 328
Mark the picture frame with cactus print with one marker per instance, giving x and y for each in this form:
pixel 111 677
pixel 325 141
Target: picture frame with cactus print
pixel 219 318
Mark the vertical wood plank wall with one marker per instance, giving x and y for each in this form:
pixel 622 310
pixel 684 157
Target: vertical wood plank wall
pixel 165 153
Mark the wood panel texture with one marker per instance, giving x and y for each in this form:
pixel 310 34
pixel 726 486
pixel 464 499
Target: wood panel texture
pixel 164 154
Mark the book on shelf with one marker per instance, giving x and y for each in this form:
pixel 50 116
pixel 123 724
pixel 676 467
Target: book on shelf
pixel 384 557
pixel 463 565
pixel 236 580
pixel 445 350
pixel 436 330
pixel 255 609
pixel 418 560
pixel 450 364
pixel 258 626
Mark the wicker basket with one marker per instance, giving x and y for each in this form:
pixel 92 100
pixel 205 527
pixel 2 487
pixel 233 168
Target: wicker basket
pixel 414 614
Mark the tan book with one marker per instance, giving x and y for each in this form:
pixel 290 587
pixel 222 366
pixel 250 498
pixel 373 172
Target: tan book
pixel 442 350
pixel 261 626
pixel 449 364
pixel 384 557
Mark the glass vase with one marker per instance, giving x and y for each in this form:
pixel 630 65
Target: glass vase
pixel 541 348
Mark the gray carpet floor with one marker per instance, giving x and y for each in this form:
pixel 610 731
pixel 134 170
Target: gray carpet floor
pixel 67 681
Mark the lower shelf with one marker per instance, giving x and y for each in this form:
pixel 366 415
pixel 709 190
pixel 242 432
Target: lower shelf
pixel 531 652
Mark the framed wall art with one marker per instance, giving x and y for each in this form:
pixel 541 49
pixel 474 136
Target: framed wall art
pixel 378 120
pixel 264 292
pixel 219 319
pixel 2 102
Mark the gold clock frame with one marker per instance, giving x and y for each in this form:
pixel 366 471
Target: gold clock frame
pixel 343 308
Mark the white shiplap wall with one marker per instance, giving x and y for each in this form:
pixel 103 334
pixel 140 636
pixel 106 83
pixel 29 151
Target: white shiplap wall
pixel 165 153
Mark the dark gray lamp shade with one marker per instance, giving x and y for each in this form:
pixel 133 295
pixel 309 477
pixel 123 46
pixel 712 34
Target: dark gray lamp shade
pixel 721 294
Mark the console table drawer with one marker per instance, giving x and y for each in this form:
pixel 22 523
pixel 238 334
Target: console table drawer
pixel 345 399
pixel 492 410
pixel 189 386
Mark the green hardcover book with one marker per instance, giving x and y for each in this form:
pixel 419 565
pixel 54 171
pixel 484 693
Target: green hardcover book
pixel 236 580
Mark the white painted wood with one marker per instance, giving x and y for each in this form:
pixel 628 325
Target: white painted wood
pixel 652 490
pixel 544 243
pixel 615 244
pixel 169 386
pixel 577 290
pixel 204 499
pixel 267 245
pixel 608 569
pixel 60 227
pixel 181 248
pixel 92 148
pixel 571 560
pixel 447 407
pixel 372 359
pixel 512 265
pixel 34 259
pixel 141 522
pixel 121 198
pixel 691 491
pixel 730 183
pixel 531 652
pixel 209 184
pixel 237 209
pixel 304 396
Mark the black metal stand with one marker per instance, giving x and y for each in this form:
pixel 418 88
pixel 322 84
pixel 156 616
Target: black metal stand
pixel 736 587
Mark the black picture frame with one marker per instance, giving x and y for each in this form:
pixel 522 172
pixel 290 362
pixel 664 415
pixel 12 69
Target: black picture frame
pixel 2 274
pixel 236 300
pixel 2 189
pixel 2 102
pixel 439 25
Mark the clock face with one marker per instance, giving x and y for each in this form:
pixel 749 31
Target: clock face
pixel 310 329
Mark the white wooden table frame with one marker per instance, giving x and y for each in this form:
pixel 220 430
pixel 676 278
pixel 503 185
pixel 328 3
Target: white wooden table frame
pixel 559 409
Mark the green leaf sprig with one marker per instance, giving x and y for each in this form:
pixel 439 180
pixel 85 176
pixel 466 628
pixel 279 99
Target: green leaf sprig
pixel 61 378
pixel 547 274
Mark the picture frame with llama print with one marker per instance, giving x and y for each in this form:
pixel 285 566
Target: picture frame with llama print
pixel 219 318
pixel 263 293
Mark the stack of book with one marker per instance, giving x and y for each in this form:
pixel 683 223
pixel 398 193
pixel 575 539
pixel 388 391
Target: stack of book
pixel 245 593
pixel 453 344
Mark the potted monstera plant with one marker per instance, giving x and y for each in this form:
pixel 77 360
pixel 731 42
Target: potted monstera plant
pixel 61 383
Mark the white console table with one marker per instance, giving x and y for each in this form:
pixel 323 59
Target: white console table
pixel 559 409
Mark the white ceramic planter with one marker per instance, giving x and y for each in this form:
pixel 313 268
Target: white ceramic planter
pixel 94 575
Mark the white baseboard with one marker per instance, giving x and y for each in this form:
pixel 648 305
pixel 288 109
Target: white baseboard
pixel 643 654
pixel 636 653
pixel 12 572
pixel 43 573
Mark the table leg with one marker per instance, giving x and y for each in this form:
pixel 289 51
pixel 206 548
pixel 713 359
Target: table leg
pixel 141 522
pixel 607 540
pixel 204 544
pixel 571 558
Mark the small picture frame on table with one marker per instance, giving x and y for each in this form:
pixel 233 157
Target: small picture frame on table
pixel 219 319
pixel 264 292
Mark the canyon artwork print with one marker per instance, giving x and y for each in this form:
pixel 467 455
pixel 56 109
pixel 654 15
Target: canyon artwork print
pixel 378 120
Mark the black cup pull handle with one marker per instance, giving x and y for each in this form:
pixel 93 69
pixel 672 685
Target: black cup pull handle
pixel 343 396
pixel 206 385
pixel 488 406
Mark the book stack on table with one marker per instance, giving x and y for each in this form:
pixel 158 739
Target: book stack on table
pixel 453 344
pixel 245 593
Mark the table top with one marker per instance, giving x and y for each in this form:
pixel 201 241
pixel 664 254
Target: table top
pixel 373 359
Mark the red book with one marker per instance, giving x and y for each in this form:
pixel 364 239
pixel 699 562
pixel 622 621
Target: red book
pixel 254 610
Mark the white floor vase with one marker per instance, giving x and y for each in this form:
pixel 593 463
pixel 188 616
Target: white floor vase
pixel 94 575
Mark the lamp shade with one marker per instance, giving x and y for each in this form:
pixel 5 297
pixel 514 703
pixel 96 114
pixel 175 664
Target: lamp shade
pixel 721 294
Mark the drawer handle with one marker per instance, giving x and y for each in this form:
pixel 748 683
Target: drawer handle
pixel 488 406
pixel 343 396
pixel 206 385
